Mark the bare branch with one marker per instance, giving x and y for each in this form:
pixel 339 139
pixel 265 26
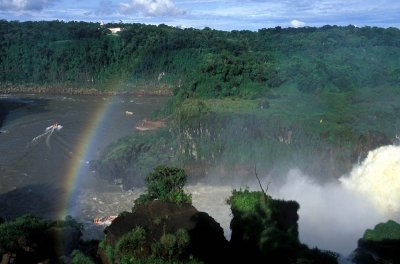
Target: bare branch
pixel 259 182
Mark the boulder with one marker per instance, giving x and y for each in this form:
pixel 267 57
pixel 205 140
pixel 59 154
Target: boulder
pixel 207 241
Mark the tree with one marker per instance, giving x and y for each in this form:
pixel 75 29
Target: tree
pixel 166 184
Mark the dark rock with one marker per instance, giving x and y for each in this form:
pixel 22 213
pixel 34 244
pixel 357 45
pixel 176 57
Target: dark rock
pixel 268 233
pixel 379 245
pixel 370 141
pixel 371 252
pixel 207 241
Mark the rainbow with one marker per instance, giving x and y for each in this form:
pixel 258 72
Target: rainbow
pixel 80 154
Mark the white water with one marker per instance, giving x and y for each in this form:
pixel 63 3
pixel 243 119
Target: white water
pixel 378 179
pixel 47 134
pixel 330 216
pixel 333 216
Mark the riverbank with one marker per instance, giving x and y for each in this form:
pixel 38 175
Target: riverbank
pixel 72 90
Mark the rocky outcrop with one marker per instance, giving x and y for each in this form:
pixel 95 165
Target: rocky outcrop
pixel 257 236
pixel 147 125
pixel 370 141
pixel 380 245
pixel 207 242
pixel 265 230
pixel 374 252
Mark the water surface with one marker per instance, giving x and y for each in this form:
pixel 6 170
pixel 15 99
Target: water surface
pixel 32 172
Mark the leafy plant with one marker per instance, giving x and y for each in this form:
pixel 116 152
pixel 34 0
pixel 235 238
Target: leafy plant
pixel 132 243
pixel 166 184
pixel 78 257
pixel 383 231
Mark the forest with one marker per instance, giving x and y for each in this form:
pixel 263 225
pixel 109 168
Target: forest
pixel 199 63
pixel 302 96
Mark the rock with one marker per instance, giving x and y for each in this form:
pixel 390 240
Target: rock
pixel 386 251
pixel 370 141
pixel 380 245
pixel 263 104
pixel 207 241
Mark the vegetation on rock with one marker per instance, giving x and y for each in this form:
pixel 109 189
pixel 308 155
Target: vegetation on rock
pixel 265 229
pixel 166 184
pixel 379 245
pixel 32 239
pixel 382 231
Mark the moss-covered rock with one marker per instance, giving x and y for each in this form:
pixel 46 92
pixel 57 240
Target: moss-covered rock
pixel 266 230
pixel 379 245
pixel 165 230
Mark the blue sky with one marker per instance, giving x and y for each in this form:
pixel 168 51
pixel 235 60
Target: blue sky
pixel 225 14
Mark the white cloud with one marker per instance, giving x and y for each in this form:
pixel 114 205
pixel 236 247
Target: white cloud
pixel 18 5
pixel 106 7
pixel 151 8
pixel 297 23
pixel 223 14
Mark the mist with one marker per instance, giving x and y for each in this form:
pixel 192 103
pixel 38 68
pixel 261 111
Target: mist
pixel 332 215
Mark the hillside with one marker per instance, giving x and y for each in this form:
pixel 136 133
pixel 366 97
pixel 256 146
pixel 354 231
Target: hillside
pixel 317 98
pixel 202 63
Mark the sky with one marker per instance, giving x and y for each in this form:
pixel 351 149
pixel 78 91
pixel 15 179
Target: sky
pixel 223 15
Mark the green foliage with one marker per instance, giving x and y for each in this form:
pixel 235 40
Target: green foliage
pixel 198 63
pixel 135 247
pixel 265 229
pixel 171 246
pixel 329 87
pixel 157 260
pixel 166 184
pixel 69 221
pixel 108 250
pixel 133 157
pixel 191 110
pixel 27 225
pixel 78 257
pixel 244 201
pixel 132 243
pixel 383 231
pixel 39 233
pixel 266 226
pixel 110 253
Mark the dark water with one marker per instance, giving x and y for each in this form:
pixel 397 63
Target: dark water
pixel 31 173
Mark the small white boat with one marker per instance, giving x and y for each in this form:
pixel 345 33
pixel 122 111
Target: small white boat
pixel 54 127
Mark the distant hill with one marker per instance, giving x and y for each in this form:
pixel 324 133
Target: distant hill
pixel 200 63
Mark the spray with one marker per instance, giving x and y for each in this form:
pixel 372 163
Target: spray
pixel 335 215
pixel 377 178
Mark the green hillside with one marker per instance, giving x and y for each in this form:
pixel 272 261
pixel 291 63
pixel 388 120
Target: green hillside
pixel 317 98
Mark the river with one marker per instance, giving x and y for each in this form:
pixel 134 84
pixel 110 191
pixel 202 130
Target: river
pixel 32 171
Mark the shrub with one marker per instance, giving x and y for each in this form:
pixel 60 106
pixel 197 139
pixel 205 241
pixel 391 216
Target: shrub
pixel 166 184
pixel 132 243
pixel 382 231
pixel 171 246
pixel 27 225
pixel 79 258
